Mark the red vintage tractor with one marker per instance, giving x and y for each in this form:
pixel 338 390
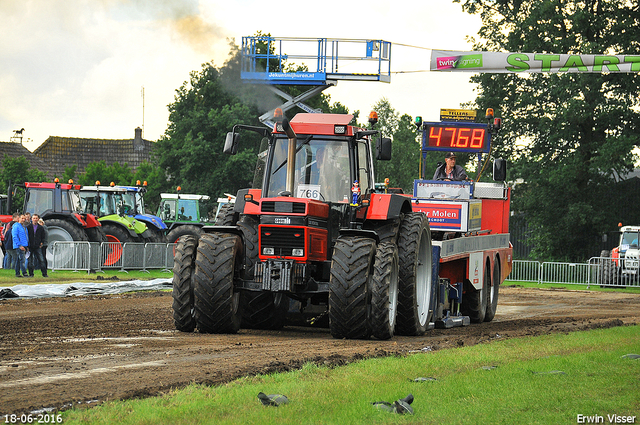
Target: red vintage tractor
pixel 317 233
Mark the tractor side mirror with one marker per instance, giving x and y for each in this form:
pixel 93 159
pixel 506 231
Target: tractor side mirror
pixel 231 143
pixel 383 149
pixel 499 170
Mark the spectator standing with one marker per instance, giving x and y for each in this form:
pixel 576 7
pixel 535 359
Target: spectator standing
pixel 45 243
pixel 35 246
pixel 28 227
pixel 10 258
pixel 4 251
pixel 21 245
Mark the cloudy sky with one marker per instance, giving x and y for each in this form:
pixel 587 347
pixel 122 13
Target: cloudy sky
pixel 77 68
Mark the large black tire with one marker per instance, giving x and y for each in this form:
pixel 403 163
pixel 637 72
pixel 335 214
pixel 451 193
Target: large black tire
pixel 227 216
pixel 96 234
pixel 384 291
pixel 216 304
pixel 474 301
pixel 492 293
pixel 387 230
pixel 183 269
pixel 157 235
pixel 260 310
pixel 115 233
pixel 63 231
pixel 349 283
pixel 186 229
pixel 416 297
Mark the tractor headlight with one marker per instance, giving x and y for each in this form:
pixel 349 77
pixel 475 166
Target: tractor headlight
pixel 297 252
pixel 268 251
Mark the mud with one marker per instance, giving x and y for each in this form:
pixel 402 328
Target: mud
pixel 80 351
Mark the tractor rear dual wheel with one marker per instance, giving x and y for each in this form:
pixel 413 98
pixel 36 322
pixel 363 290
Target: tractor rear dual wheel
pixel 384 291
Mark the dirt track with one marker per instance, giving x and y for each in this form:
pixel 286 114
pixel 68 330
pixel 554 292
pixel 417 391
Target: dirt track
pixel 84 350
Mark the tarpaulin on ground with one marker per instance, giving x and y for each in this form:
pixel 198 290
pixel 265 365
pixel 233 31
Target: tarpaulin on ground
pixel 505 62
pixel 92 288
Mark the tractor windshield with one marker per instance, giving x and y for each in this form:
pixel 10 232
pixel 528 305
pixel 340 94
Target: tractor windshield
pixel 629 238
pixel 321 170
pixel 131 205
pixel 74 201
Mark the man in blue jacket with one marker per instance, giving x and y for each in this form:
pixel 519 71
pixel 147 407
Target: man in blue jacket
pixel 20 244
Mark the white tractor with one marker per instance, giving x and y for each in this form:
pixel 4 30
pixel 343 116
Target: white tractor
pixel 620 265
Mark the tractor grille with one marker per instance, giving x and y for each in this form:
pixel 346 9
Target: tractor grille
pixel 283 207
pixel 282 239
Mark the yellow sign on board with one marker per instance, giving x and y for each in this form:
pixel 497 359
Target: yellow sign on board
pixel 457 115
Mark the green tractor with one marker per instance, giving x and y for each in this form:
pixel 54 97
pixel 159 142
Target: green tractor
pixel 106 202
pixel 184 214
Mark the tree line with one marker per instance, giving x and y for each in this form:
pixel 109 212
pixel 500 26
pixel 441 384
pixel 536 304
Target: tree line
pixel 567 137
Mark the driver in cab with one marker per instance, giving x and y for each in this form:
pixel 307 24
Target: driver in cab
pixel 449 171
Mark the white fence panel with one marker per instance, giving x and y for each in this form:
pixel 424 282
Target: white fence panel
pixel 69 256
pixel 568 273
pixel 524 271
pixel 615 272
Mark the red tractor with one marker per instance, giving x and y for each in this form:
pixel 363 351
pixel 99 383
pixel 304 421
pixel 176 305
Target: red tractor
pixel 58 204
pixel 317 233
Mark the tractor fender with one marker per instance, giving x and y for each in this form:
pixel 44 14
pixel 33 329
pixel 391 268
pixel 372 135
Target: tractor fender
pixel 91 220
pixel 151 220
pixel 385 206
pixel 360 232
pixel 121 222
pixel 250 208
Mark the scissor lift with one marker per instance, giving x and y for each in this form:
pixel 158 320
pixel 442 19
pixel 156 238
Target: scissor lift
pixel 263 62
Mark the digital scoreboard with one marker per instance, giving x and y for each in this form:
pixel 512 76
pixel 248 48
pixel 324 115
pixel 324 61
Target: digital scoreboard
pixel 456 137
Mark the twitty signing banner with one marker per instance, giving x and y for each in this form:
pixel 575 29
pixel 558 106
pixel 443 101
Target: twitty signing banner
pixel 444 60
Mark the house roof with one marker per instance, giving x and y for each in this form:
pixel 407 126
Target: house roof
pixel 64 152
pixel 16 150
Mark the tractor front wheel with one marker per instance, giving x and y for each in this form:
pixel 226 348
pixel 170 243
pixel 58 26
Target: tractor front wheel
pixel 217 305
pixel 179 231
pixel 349 283
pixel 183 268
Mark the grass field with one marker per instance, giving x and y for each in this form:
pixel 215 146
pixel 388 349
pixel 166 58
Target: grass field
pixel 7 277
pixel 539 380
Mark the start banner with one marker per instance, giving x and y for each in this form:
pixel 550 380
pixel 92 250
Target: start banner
pixel 501 62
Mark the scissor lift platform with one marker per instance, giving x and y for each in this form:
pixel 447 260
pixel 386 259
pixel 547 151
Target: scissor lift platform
pixel 334 59
pixel 290 61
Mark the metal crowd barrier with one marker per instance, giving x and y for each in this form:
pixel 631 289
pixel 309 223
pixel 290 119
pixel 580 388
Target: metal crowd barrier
pixel 93 256
pixel 603 271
